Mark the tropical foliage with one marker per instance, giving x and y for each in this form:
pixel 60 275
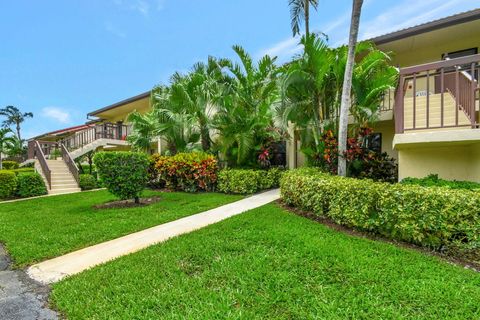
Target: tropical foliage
pixel 14 118
pixel 239 108
pixel 6 142
pixel 312 86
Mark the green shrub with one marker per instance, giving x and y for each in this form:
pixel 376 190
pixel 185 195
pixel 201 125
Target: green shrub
pixel 30 184
pixel 124 174
pixel 23 170
pixel 190 172
pixel 248 181
pixel 10 165
pixel 434 181
pixel 435 217
pixel 8 184
pixel 87 182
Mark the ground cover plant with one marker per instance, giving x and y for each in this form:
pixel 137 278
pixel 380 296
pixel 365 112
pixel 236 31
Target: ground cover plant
pixel 37 229
pixel 271 264
pixel 435 217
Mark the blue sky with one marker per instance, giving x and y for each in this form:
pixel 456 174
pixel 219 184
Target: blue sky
pixel 61 59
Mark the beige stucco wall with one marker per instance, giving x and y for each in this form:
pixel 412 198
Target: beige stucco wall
pixel 454 162
pixel 387 129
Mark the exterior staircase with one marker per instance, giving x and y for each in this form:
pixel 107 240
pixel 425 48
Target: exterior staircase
pixel 62 179
pixel 434 113
pixel 92 146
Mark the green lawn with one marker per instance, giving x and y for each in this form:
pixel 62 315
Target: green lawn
pixel 271 264
pixel 38 229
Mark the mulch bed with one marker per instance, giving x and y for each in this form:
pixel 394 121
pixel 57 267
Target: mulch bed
pixel 453 259
pixel 128 203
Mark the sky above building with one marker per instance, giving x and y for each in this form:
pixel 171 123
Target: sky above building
pixel 62 59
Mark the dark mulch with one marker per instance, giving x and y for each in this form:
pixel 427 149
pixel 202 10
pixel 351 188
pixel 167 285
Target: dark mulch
pixel 128 203
pixel 465 261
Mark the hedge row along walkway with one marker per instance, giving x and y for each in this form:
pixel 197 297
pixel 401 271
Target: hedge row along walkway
pixel 54 270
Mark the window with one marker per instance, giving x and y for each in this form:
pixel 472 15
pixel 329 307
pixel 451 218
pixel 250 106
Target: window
pixel 460 53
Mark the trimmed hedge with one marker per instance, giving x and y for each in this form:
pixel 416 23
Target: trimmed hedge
pixel 189 172
pixel 434 217
pixel 248 181
pixel 10 165
pixel 31 184
pixel 8 184
pixel 433 180
pixel 87 182
pixel 124 174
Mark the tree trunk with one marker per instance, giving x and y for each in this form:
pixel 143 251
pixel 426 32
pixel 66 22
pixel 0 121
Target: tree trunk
pixel 347 88
pixel 205 136
pixel 137 200
pixel 18 132
pixel 1 160
pixel 307 17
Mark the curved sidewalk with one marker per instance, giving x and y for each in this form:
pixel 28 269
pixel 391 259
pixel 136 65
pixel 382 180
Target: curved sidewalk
pixel 56 269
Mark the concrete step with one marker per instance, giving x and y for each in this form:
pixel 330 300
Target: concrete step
pixel 64 190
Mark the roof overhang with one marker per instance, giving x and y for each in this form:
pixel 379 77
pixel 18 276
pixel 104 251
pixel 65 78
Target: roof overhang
pixel 136 98
pixel 427 27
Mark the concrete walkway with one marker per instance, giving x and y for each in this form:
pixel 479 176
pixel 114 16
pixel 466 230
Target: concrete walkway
pixel 54 270
pixel 20 297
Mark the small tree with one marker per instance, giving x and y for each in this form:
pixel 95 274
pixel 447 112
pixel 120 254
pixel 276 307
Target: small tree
pixel 6 142
pixel 124 174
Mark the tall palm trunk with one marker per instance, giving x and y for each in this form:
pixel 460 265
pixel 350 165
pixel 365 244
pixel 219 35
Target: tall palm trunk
pixel 307 17
pixel 347 88
pixel 18 132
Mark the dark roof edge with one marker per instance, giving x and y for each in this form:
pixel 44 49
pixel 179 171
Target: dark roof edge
pixel 429 26
pixel 121 103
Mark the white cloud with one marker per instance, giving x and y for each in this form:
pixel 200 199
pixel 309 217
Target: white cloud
pixel 141 6
pixel 406 14
pixel 56 114
pixel 286 48
pixel 111 28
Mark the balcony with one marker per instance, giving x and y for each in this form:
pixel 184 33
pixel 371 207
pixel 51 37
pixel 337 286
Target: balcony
pixel 437 96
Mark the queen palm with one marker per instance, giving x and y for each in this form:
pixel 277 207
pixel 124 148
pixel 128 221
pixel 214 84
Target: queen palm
pixel 300 12
pixel 347 87
pixel 6 142
pixel 14 117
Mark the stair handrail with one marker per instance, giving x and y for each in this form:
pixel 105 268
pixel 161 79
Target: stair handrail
pixel 43 163
pixel 72 166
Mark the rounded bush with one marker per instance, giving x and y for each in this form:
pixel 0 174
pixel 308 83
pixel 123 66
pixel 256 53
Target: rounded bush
pixel 87 182
pixel 8 184
pixel 124 174
pixel 10 165
pixel 31 184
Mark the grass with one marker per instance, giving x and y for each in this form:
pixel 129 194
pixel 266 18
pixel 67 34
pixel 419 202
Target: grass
pixel 271 264
pixel 42 228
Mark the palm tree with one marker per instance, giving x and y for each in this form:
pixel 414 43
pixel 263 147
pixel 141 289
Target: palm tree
pixel 308 93
pixel 167 120
pixel 198 93
pixel 244 119
pixel 14 117
pixel 6 142
pixel 347 87
pixel 300 12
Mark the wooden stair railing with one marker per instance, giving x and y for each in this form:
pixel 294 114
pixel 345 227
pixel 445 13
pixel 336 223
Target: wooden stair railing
pixel 454 76
pixel 43 164
pixel 72 166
